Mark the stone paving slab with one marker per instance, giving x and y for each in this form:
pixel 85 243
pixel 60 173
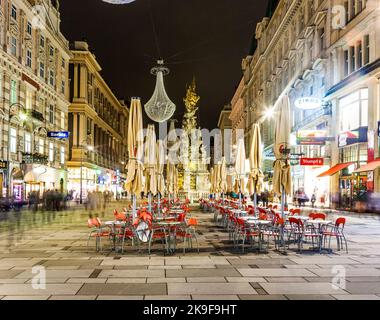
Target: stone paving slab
pixel 124 289
pixel 27 289
pixel 265 297
pixel 170 298
pixel 365 297
pixel 363 287
pixel 202 273
pixel 230 297
pixel 206 279
pixel 9 274
pixel 209 288
pixel 166 280
pixel 275 273
pixel 114 298
pixel 301 288
pixel 132 273
pixel 310 297
pixel 25 298
pixel 73 298
pixel 245 279
pixel 126 280
pixel 58 274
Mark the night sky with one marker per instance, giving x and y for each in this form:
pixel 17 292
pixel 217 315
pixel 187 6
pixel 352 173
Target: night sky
pixel 202 38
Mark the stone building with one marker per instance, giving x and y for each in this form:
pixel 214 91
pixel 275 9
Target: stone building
pixel 34 57
pixel 324 56
pixel 98 123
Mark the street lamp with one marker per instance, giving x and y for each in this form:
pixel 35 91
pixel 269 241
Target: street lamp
pixel 13 108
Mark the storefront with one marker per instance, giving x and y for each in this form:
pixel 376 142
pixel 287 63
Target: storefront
pixel 3 173
pixel 40 178
pixel 99 180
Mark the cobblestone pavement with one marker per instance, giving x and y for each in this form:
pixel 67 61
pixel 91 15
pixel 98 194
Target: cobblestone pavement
pixel 57 241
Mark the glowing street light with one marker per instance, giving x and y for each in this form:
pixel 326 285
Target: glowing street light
pixel 269 113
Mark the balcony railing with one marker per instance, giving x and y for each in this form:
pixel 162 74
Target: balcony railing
pixel 325 111
pixel 36 115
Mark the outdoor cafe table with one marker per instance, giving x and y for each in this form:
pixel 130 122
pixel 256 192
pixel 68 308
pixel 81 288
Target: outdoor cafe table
pixel 171 230
pixel 319 226
pixel 260 223
pixel 113 225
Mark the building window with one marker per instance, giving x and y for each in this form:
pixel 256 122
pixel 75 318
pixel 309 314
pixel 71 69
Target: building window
pixel 14 46
pixel 51 152
pixel 51 114
pixel 63 63
pixel 359 54
pixel 62 120
pixel 41 146
pixel 51 77
pixel 13 97
pixel 51 51
pixel 28 58
pixel 354 111
pixel 352 59
pixel 13 140
pixel 62 155
pixel 28 143
pixel 366 49
pixel 29 99
pixel 42 70
pixel 14 12
pixel 321 39
pixel 63 87
pixel 42 41
pixel 29 28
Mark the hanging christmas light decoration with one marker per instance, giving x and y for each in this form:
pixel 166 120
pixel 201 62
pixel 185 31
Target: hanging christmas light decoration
pixel 160 108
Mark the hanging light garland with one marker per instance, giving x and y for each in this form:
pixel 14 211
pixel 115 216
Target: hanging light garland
pixel 160 108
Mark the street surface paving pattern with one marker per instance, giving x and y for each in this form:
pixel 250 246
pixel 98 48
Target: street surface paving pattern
pixel 57 241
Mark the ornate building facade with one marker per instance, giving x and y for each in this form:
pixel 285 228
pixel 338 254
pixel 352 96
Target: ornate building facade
pixel 98 123
pixel 34 57
pixel 326 52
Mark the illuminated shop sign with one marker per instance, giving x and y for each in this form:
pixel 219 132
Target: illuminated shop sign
pixel 354 136
pixel 315 162
pixel 58 134
pixel 308 103
pixel 311 137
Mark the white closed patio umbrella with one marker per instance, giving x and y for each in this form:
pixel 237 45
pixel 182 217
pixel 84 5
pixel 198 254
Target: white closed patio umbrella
pixel 282 181
pixel 150 164
pixel 160 171
pixel 240 167
pixel 135 151
pixel 223 177
pixel 256 176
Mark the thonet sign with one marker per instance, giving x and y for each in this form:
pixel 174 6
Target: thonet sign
pixel 308 103
pixel 315 162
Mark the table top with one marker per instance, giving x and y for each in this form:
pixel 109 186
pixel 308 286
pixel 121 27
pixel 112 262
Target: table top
pixel 169 223
pixel 300 217
pixel 112 223
pixel 263 222
pixel 324 222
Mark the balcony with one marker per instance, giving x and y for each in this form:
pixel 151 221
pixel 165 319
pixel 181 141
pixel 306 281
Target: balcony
pixel 326 111
pixel 35 115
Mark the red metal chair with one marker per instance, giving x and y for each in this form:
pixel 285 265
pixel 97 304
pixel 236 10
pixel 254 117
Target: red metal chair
pixel 336 231
pixel 300 233
pixel 98 232
pixel 188 234
pixel 245 232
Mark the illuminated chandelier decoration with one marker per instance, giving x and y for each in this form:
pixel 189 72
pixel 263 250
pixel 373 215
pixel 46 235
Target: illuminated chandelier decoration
pixel 160 108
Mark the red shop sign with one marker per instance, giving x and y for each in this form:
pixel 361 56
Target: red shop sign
pixel 312 162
